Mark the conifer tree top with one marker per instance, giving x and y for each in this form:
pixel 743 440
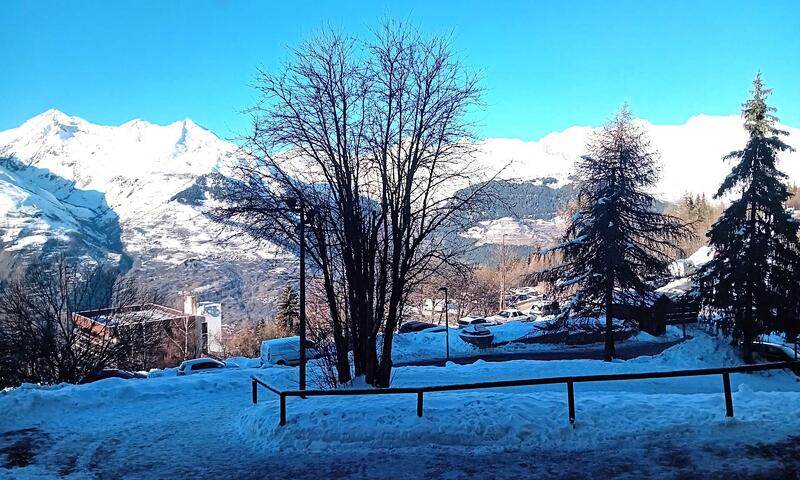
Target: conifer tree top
pixel 759 157
pixel 759 118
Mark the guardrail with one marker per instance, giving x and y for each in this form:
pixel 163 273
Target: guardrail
pixel 570 382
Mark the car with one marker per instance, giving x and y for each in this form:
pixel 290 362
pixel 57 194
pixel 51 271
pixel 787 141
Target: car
pixel 774 352
pixel 196 365
pixel 436 329
pixel 477 335
pixel 509 315
pixel 544 307
pixel 414 326
pixel 476 320
pixel 111 373
pixel 285 351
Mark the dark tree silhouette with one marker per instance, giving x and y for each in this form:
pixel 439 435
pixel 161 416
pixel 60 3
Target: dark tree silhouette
pixel 40 340
pixel 372 139
pixel 752 281
pixel 288 310
pixel 616 238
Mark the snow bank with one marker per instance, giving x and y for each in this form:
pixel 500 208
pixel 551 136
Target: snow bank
pixel 494 421
pixel 244 362
pixel 146 427
pixel 534 416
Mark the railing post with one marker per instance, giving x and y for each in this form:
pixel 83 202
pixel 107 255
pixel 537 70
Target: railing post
pixel 255 392
pixel 726 383
pixel 571 402
pixel 283 410
pixel 419 403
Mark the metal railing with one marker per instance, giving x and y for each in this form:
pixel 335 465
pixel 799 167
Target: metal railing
pixel 570 382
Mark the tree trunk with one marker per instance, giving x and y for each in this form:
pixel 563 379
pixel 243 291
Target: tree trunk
pixel 339 333
pixel 384 371
pixel 383 375
pixel 748 334
pixel 610 351
pixel 372 366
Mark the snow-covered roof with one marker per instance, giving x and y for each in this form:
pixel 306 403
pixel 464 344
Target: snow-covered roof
pixel 676 288
pixel 687 266
pixel 702 256
pixel 283 341
pixel 132 315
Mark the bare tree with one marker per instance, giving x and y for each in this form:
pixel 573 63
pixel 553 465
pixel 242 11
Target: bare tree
pixel 372 138
pixel 40 339
pixel 181 334
pixel 245 340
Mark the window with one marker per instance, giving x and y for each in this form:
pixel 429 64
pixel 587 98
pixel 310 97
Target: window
pixel 204 365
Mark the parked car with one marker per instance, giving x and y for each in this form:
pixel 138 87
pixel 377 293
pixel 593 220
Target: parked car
pixel 285 351
pixel 509 315
pixel 189 367
pixel 415 326
pixel 111 373
pixel 544 307
pixel 436 329
pixel 774 352
pixel 477 335
pixel 476 320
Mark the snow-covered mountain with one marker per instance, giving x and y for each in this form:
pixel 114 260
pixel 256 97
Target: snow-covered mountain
pixel 118 193
pixel 691 153
pixel 133 194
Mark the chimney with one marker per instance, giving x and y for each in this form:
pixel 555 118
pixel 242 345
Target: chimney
pixel 190 305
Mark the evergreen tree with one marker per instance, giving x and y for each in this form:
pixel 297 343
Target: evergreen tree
pixel 288 309
pixel 616 238
pixel 752 281
pixel 698 213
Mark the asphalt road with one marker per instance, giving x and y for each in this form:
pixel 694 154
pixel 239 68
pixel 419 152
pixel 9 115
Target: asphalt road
pixel 625 351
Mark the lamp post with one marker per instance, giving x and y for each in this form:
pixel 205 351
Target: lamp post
pixel 446 325
pixel 302 296
pixel 298 205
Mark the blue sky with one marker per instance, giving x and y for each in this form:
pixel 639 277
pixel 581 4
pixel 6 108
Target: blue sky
pixel 546 65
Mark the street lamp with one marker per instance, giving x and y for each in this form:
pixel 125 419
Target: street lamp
pixel 446 324
pixel 298 206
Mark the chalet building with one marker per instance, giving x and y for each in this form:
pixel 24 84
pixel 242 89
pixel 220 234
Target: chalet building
pixel 673 304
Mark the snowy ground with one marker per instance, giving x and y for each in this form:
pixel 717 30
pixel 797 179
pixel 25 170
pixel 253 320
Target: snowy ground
pixel 203 426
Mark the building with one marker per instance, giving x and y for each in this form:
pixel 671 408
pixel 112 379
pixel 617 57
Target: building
pixel 210 314
pixel 156 336
pixel 432 307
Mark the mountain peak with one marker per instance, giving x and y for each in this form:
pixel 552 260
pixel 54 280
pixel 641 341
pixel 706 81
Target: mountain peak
pixel 136 123
pixel 54 117
pixel 190 125
pixel 53 113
